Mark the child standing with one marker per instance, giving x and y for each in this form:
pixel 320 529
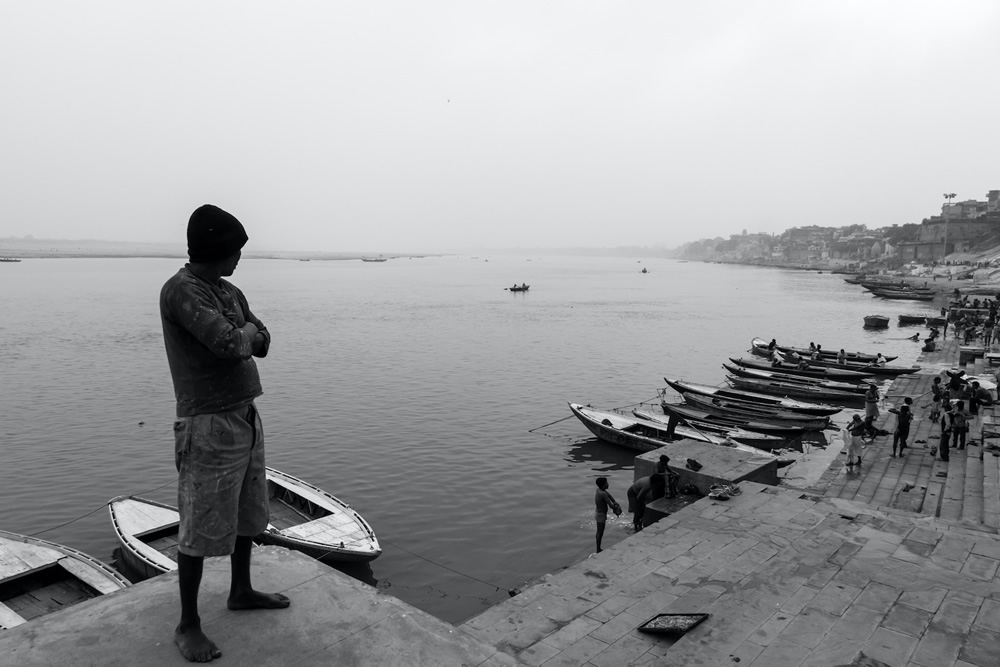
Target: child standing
pixel 603 500
pixel 937 393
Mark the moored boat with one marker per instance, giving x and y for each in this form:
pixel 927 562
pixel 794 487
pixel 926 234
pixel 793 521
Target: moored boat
pixel 787 389
pixel 759 347
pixel 905 295
pixel 876 321
pixel 683 386
pixel 644 435
pixel 757 374
pixel 38 577
pixel 877 371
pixel 734 408
pixel 518 288
pixel 788 368
pixel 912 319
pixel 147 531
pixel 310 520
pixel 303 517
pixel 686 411
pixel 756 439
pixel 936 321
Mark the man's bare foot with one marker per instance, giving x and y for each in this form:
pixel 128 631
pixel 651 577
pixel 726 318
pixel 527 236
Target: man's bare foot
pixel 194 645
pixel 258 600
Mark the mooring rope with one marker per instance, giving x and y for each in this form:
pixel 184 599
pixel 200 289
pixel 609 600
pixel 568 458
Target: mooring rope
pixel 94 511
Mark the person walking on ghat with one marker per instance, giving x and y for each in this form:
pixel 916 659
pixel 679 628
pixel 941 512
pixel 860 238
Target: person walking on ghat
pixel 211 337
pixel 959 425
pixel 603 500
pixel 904 417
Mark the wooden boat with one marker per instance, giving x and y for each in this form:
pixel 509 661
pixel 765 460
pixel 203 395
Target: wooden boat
pixel 374 259
pixel 912 319
pixel 936 321
pixel 732 408
pixel 756 439
pixel 788 368
pixel 905 295
pixel 310 520
pixel 644 435
pixel 686 411
pixel 38 577
pixel 877 371
pixel 303 517
pixel 12 260
pixel 683 386
pixel 759 347
pixel 757 374
pixel 789 389
pixel 147 531
pixel 876 321
pixel 515 288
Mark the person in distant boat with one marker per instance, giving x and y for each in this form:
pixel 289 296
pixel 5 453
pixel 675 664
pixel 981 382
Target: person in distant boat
pixel 879 361
pixel 773 344
pixel 211 337
pixel 842 357
pixel 803 365
pixel 815 355
pixel 603 500
pixel 812 346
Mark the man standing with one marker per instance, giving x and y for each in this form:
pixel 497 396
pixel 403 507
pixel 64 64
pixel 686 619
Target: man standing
pixel 211 338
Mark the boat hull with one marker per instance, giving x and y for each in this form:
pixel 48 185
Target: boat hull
pixel 786 389
pixel 682 386
pixel 739 410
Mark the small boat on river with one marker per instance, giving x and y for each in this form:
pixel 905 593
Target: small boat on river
pixel 38 577
pixel 736 409
pixel 788 404
pixel 877 371
pixel 518 288
pixel 686 412
pixel 788 368
pixel 646 435
pixel 757 374
pixel 912 319
pixel 759 347
pixel 905 295
pixel 800 391
pixel 876 321
pixel 310 520
pixel 303 517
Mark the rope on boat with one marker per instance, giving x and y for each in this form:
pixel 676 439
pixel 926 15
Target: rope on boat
pixel 94 511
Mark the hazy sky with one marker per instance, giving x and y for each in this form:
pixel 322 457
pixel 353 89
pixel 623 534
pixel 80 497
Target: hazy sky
pixel 423 126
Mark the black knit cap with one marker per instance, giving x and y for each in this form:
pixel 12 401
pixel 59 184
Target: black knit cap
pixel 213 234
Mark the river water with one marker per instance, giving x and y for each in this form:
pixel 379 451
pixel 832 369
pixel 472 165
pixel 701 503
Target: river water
pixel 418 390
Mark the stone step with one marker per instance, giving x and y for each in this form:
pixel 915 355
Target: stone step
pixel 972 501
pixel 991 488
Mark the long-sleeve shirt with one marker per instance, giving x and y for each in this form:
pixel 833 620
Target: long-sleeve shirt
pixel 209 354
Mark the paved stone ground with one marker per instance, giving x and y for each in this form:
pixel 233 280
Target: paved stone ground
pixel 788 578
pixel 895 565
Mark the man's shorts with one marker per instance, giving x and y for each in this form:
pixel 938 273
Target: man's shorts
pixel 222 484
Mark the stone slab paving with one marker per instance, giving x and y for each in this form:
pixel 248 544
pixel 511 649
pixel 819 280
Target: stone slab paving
pixel 333 620
pixel 965 489
pixel 787 578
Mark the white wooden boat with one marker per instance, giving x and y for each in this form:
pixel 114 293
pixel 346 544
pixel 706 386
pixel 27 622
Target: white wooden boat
pixel 310 520
pixel 38 577
pixel 303 517
pixel 147 531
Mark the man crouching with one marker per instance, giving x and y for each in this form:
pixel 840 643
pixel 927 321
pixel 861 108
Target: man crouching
pixel 211 338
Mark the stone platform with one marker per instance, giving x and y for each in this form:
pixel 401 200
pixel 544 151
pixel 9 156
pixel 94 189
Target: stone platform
pixel 333 620
pixel 788 578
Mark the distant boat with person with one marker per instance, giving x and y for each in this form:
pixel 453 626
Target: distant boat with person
pixel 518 288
